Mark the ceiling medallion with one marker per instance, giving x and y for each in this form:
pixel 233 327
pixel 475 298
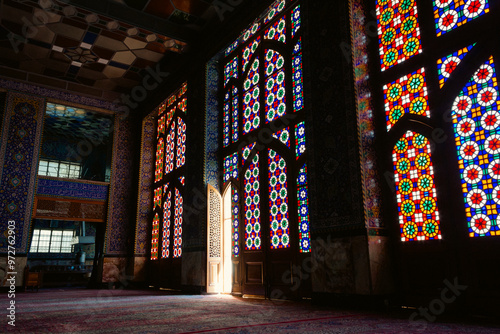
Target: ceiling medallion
pixel 81 55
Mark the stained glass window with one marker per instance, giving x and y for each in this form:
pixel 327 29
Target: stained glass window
pixel 447 65
pixel 300 139
pixel 398 31
pixel 407 95
pixel 251 108
pixel 474 112
pixel 283 136
pixel 169 179
pixel 278 201
pixel 226 132
pixel 297 77
pixel 450 14
pixel 235 114
pixel 166 225
pixel 415 189
pixel 155 234
pixel 235 215
pixel 231 166
pixel 476 123
pixel 231 70
pixel 252 205
pixel 159 160
pixel 181 143
pixel 270 68
pixel 303 211
pixel 178 224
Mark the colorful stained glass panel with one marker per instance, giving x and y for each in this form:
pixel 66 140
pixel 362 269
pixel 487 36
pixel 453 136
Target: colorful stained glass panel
pixel 159 160
pixel 246 152
pixel 252 205
pixel 155 234
pixel 447 65
pixel 450 14
pixel 303 211
pixel 235 115
pixel 169 151
pixel 275 96
pixel 231 166
pixel 398 31
pixel 415 189
pixel 165 251
pixel 283 136
pixel 300 139
pixel 235 214
pixel 277 31
pixel 251 108
pixel 295 20
pixel 278 201
pixel 476 121
pixel 181 143
pixel 231 70
pixel 407 95
pixel 178 224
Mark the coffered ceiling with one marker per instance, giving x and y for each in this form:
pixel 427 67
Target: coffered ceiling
pixel 101 48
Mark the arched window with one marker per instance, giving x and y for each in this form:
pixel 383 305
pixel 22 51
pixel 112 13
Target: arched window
pixel 262 89
pixel 166 241
pixel 438 76
pixel 263 142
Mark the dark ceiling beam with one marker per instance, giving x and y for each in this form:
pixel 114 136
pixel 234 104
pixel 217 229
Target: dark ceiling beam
pixel 138 19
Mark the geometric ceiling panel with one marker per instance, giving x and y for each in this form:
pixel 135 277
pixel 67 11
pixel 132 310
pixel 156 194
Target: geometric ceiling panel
pixel 71 44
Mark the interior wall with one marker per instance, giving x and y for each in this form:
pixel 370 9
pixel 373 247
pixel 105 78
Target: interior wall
pixel 21 133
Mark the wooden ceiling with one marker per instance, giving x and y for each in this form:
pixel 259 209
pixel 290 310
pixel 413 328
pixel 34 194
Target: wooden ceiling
pixel 104 48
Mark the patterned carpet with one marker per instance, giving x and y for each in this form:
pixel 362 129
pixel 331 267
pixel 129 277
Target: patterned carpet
pixel 147 312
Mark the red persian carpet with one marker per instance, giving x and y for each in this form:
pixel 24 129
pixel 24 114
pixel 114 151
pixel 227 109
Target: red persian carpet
pixel 148 312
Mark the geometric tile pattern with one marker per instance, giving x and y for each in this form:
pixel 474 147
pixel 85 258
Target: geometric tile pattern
pixel 145 184
pixel 120 220
pixel 211 163
pixel 23 120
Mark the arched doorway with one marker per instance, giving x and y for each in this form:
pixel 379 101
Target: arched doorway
pixel 222 266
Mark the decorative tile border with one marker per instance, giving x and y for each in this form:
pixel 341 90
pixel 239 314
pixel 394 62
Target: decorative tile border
pixel 72 189
pixel 20 146
pixel 56 94
pixel 366 122
pixel 211 175
pixel 119 208
pixel 145 185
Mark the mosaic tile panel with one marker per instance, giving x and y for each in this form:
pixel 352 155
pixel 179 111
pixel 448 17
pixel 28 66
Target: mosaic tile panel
pixel 23 121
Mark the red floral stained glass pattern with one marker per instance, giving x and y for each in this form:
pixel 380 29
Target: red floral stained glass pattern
pixel 278 201
pixel 398 31
pixel 165 251
pixel 451 14
pixel 415 189
pixel 159 160
pixel 155 234
pixel 448 64
pixel 178 224
pixel 407 95
pixel 181 143
pixel 251 193
pixel 169 152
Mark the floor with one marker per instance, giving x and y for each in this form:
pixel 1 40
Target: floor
pixel 146 312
